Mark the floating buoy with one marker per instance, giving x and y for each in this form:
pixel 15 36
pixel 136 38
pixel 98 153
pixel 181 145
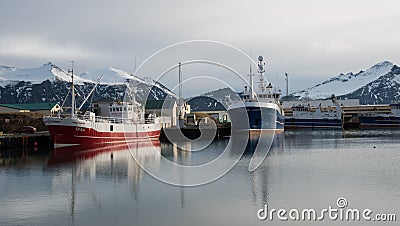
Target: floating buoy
pixel 374 146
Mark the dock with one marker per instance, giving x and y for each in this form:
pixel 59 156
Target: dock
pixel 24 141
pixel 43 138
pixel 175 134
pixel 350 116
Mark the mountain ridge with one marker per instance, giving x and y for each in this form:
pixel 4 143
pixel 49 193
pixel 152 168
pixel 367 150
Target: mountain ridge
pixel 49 83
pixel 370 86
pixel 379 84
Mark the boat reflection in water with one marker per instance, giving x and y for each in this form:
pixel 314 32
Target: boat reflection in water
pixel 100 162
pixel 73 153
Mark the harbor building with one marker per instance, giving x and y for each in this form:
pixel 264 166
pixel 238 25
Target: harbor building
pixel 39 108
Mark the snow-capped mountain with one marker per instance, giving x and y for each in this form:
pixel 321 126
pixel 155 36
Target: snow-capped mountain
pixel 49 83
pixel 112 76
pixel 204 103
pixel 48 71
pixel 213 101
pixel 384 90
pixel 377 85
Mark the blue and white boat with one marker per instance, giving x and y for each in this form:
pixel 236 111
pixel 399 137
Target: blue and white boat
pixel 391 120
pixel 307 117
pixel 261 108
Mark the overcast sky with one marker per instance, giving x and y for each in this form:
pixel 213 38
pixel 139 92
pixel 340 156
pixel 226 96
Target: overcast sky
pixel 312 40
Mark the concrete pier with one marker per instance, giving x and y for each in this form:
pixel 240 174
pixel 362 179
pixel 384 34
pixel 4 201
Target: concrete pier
pixel 24 140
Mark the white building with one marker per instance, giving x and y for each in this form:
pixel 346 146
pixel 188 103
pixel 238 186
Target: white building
pixel 165 110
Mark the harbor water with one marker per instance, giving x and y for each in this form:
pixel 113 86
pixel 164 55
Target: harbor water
pixel 303 169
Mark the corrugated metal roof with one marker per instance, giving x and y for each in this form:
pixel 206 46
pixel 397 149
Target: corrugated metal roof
pixel 158 104
pixel 31 106
pixel 106 100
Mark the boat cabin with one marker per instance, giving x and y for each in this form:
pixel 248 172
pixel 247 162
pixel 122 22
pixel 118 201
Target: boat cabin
pixel 265 92
pixel 301 108
pixel 126 112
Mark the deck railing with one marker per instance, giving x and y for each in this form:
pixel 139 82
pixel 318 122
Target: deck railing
pixel 104 119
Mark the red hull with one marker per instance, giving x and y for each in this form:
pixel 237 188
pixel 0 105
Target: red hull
pixel 71 135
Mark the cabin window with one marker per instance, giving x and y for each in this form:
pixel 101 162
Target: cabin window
pixel 111 127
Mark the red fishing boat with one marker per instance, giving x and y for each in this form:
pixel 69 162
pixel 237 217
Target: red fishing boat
pixel 126 123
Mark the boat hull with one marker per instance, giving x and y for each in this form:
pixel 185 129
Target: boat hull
pixel 260 118
pixel 294 123
pixel 73 132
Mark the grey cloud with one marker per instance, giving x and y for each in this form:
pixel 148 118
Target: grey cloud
pixel 310 39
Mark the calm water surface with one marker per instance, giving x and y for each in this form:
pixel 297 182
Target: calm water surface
pixel 304 169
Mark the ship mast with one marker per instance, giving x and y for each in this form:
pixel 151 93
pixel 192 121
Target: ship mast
pixel 72 89
pixel 180 101
pixel 261 70
pixel 261 65
pixel 287 83
pixel 251 84
pixel 180 81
